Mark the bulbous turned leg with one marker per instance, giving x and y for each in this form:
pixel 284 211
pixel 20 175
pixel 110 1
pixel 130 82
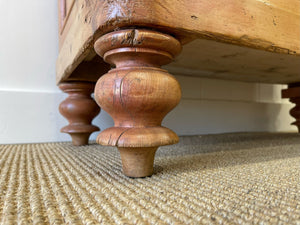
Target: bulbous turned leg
pixel 79 109
pixel 293 93
pixel 138 95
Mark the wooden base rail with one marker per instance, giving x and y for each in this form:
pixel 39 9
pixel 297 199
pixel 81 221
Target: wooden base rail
pixel 137 94
pixel 80 109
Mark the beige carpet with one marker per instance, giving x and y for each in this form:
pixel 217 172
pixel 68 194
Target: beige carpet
pixel 214 179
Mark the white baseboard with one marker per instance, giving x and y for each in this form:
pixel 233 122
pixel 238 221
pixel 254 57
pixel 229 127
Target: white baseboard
pixel 28 117
pixel 219 116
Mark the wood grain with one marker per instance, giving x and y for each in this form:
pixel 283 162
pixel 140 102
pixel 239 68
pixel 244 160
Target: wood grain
pixel 64 10
pixel 137 94
pixel 76 41
pixel 260 24
pixel 270 25
pixel 212 59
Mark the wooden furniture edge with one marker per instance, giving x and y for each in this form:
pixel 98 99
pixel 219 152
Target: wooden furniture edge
pixel 259 29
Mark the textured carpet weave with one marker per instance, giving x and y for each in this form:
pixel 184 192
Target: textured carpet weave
pixel 214 179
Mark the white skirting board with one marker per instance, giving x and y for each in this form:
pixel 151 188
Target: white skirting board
pixel 208 117
pixel 27 117
pixel 33 117
pixel 221 106
pixel 207 106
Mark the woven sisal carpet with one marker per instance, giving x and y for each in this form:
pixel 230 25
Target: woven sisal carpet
pixel 215 179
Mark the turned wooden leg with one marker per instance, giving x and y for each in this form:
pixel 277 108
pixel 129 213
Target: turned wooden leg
pixel 293 93
pixel 138 95
pixel 79 109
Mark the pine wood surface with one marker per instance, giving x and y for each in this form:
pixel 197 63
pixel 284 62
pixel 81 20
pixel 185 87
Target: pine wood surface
pixel 270 25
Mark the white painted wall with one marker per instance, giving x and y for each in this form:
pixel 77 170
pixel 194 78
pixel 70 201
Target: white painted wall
pixel 29 97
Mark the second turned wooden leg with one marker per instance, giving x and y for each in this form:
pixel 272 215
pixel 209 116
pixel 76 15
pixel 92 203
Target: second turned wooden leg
pixel 80 109
pixel 293 93
pixel 138 95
